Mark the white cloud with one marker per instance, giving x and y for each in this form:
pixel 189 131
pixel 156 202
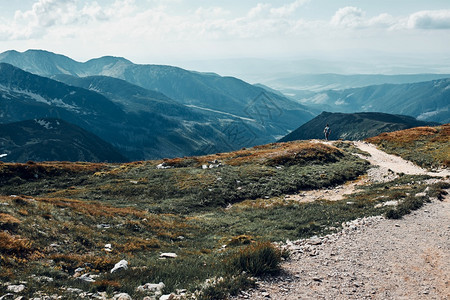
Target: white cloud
pixel 288 9
pixel 349 16
pixel 47 13
pixel 430 19
pixel 124 26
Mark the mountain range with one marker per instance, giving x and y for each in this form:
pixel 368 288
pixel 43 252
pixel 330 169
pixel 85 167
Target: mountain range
pixel 154 111
pixel 353 126
pixel 146 111
pixel 301 83
pixel 53 140
pixel 426 101
pixel 201 91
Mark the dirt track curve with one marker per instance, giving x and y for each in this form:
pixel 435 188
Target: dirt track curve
pixel 372 258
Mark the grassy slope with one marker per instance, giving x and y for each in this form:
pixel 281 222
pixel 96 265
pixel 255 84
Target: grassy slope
pixel 429 147
pixel 183 209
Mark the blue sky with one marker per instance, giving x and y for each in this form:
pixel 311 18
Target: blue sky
pixel 178 31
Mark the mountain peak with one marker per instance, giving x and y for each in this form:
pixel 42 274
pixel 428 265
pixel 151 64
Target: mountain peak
pixel 109 60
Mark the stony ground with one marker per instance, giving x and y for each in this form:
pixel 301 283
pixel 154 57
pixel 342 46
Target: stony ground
pixel 372 258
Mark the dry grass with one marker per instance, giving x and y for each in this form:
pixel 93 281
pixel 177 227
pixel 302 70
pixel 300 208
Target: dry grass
pixel 276 154
pixel 8 222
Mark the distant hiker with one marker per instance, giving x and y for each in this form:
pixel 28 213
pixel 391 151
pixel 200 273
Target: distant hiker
pixel 327 131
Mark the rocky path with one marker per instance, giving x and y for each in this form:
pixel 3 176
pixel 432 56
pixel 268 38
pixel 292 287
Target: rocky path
pixel 395 163
pixel 372 258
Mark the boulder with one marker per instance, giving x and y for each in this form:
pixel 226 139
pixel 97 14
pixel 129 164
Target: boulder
pixel 121 265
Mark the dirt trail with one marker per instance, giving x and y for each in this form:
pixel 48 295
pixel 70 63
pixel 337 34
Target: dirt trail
pixel 395 163
pixel 386 168
pixel 373 258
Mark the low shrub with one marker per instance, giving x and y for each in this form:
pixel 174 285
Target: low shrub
pixel 256 259
pixel 8 222
pixel 405 207
pixel 11 244
pixel 222 287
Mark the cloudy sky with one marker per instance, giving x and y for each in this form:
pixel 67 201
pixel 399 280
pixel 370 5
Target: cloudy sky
pixel 178 31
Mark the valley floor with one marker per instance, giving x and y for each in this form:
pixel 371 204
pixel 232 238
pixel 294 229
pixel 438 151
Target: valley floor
pixel 371 258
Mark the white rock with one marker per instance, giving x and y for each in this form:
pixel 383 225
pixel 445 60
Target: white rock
pixel 15 288
pixel 74 290
pixel 166 297
pixel 168 255
pixel 122 296
pixel 86 277
pixel 123 264
pixel 151 287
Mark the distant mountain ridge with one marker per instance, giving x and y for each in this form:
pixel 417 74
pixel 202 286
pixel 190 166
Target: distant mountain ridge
pixel 53 140
pixel 426 101
pixel 329 81
pixel 274 113
pixel 138 135
pixel 353 126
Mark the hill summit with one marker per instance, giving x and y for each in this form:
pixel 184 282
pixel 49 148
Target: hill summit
pixel 353 126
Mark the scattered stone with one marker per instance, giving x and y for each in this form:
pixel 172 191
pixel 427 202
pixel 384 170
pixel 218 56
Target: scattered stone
pixel 167 297
pixel 318 279
pixel 78 270
pixel 15 288
pixel 103 226
pixel 151 287
pixel 121 265
pixel 7 296
pixel 74 290
pixel 163 166
pixel 387 203
pixel 108 248
pixel 122 296
pixel 87 277
pixel 42 278
pixel 315 241
pixel 168 255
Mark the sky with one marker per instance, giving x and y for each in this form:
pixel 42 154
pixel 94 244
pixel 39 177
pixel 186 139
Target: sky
pixel 183 32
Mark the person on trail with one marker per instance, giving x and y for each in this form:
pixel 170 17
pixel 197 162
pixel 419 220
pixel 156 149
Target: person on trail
pixel 327 131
